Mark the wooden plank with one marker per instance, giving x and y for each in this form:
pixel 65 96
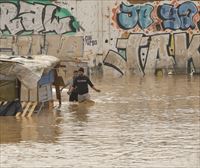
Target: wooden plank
pixel 23 105
pixel 32 109
pixel 18 114
pixel 26 109
pixel 4 103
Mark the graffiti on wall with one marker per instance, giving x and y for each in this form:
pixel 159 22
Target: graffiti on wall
pixel 35 17
pixel 157 16
pixel 66 47
pixel 130 16
pixel 89 41
pixel 180 17
pixel 158 35
pixel 160 51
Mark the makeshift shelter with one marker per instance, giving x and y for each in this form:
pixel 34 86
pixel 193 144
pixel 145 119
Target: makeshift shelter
pixel 26 79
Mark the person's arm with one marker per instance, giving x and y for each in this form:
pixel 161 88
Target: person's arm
pixel 67 84
pixel 72 87
pixel 97 90
pixel 92 86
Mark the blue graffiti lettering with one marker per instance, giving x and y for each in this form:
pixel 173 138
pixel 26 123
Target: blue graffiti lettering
pixel 172 17
pixel 186 12
pixel 178 17
pixel 127 18
pixel 169 14
pixel 130 16
pixel 145 19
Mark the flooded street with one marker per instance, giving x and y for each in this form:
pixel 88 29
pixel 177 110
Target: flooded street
pixel 150 122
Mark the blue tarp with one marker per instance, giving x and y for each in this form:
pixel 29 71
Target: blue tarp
pixel 11 108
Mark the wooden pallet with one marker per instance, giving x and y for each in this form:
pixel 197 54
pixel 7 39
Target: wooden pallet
pixel 28 109
pixel 3 103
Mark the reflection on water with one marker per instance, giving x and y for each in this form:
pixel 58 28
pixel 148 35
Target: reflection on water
pixel 41 128
pixel 135 122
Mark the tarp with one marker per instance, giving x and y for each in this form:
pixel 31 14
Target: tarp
pixel 11 108
pixel 27 69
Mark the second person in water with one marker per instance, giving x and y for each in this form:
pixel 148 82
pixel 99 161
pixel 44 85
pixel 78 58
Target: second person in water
pixel 81 83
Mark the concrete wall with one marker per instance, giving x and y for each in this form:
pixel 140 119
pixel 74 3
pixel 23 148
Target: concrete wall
pixel 129 36
pixel 38 28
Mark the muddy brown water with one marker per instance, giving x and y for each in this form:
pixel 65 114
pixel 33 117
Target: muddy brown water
pixel 135 122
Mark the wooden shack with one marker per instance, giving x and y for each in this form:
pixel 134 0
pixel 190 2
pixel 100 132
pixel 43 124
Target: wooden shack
pixel 26 84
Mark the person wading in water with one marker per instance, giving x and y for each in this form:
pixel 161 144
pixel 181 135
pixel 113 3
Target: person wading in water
pixel 81 84
pixel 73 94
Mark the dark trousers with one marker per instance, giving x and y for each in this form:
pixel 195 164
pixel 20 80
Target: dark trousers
pixel 73 96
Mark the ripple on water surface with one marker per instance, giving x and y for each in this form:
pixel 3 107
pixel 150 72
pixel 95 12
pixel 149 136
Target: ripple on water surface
pixel 135 122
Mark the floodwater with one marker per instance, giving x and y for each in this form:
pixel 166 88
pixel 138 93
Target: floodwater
pixel 150 122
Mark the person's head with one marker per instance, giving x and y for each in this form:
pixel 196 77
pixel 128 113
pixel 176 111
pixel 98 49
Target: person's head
pixel 75 73
pixel 81 71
